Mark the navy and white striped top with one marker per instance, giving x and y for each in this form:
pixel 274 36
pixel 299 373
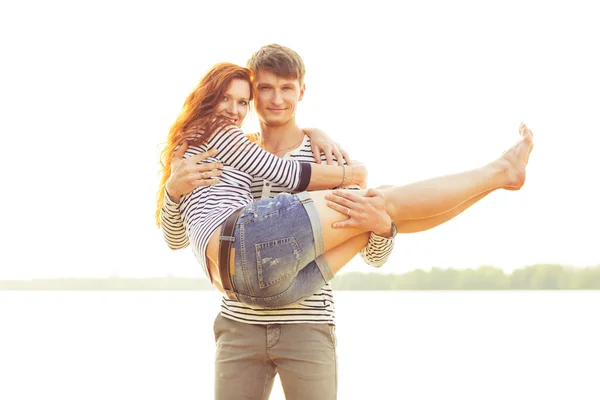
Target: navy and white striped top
pixel 318 308
pixel 207 207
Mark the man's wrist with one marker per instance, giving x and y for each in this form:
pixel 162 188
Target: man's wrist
pixel 389 233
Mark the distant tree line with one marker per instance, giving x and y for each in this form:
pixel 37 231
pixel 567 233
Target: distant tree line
pixel 115 283
pixel 535 277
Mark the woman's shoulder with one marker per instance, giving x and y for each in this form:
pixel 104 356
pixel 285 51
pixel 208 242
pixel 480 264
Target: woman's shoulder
pixel 226 131
pixel 194 149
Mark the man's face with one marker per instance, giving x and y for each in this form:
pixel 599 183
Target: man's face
pixel 276 98
pixel 235 103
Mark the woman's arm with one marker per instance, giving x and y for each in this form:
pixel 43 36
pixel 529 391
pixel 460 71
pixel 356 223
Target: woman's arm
pixel 328 176
pixel 237 151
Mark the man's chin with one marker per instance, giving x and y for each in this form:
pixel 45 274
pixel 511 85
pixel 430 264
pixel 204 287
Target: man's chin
pixel 275 121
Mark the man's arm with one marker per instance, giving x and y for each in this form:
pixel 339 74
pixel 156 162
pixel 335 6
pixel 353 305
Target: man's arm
pixel 368 213
pixel 189 173
pixel 381 243
pixel 378 250
pixel 172 225
pixel 321 144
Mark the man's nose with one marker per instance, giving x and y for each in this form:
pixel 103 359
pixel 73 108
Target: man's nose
pixel 277 97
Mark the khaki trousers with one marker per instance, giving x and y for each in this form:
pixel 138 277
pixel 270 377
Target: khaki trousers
pixel 249 356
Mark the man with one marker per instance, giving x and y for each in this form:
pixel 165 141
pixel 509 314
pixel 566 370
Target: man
pixel 297 342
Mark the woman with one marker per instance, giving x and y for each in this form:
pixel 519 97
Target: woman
pixel 274 252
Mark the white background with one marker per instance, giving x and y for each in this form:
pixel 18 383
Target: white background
pixel 417 89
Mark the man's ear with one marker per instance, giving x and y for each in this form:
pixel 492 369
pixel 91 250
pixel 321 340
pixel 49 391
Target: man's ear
pixel 302 88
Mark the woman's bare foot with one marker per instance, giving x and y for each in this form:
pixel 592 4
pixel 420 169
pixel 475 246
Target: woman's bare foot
pixel 516 158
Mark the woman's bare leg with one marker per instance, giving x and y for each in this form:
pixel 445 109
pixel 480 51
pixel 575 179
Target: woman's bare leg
pixel 342 254
pixel 423 224
pixel 434 197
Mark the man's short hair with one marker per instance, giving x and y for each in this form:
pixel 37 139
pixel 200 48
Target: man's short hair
pixel 279 60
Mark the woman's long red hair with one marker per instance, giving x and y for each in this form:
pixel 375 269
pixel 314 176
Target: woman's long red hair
pixel 196 121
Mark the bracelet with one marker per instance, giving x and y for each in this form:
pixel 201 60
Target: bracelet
pixel 343 176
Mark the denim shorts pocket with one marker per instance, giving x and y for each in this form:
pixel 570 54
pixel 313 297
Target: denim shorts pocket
pixel 277 260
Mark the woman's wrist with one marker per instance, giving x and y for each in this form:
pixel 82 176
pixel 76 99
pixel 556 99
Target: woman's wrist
pixel 356 175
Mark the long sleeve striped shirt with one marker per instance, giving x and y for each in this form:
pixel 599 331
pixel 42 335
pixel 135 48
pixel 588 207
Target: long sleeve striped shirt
pixel 318 308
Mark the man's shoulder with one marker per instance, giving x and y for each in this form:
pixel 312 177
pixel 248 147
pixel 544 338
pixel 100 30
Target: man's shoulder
pixel 254 137
pixel 306 150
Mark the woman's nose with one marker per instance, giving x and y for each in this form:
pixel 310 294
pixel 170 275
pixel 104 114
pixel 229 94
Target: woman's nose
pixel 232 108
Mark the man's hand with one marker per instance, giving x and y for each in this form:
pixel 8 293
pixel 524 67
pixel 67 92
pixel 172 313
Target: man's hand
pixel 365 212
pixel 187 174
pixel 321 143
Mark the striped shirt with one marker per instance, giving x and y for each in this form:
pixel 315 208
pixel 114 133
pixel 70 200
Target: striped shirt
pixel 207 207
pixel 318 308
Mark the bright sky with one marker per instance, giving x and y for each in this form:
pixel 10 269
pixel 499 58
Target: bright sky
pixel 411 89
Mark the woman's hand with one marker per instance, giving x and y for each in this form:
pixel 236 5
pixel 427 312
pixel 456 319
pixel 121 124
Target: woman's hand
pixel 187 174
pixel 321 143
pixel 366 212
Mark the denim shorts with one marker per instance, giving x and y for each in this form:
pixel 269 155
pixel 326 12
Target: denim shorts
pixel 279 250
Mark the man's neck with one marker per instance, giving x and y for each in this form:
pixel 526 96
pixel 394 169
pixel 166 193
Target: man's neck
pixel 282 138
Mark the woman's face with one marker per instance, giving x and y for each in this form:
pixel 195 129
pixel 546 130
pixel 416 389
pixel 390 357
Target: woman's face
pixel 236 101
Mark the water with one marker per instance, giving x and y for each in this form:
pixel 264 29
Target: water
pixel 393 345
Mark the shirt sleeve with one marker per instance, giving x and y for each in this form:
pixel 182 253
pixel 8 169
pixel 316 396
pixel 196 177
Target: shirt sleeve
pixel 378 250
pixel 172 225
pixel 238 152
